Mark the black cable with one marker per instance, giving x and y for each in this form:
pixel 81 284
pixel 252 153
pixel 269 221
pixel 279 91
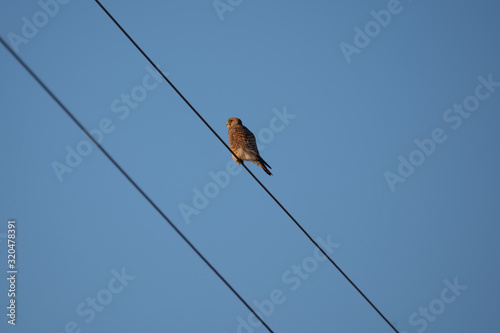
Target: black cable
pixel 137 187
pixel 258 181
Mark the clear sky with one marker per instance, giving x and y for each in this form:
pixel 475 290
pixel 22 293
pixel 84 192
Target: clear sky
pixel 379 119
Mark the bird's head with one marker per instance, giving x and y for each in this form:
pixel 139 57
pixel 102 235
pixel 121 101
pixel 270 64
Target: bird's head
pixel 233 121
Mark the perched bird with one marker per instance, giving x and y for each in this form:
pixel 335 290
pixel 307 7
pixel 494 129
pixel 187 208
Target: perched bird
pixel 242 143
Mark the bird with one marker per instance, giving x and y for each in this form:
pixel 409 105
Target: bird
pixel 242 143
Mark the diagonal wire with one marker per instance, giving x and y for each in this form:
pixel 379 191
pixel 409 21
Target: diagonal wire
pixel 256 179
pixel 124 173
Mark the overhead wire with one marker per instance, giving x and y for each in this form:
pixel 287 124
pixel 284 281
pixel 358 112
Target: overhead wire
pixel 135 185
pixel 247 169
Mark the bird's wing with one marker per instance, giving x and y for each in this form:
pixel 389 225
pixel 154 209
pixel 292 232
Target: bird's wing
pixel 250 144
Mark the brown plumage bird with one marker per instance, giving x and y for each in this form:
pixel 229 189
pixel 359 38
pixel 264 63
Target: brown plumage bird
pixel 242 143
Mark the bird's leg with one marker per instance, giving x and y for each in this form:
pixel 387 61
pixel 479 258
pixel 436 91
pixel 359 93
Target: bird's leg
pixel 239 161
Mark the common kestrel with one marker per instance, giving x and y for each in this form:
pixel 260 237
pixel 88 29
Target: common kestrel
pixel 242 143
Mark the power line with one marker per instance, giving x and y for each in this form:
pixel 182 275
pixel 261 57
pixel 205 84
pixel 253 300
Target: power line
pixel 248 170
pixel 137 187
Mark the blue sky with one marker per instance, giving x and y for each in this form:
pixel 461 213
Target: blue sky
pixel 379 119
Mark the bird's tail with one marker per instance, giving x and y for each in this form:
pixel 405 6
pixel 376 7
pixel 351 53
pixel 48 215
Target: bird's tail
pixel 263 164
